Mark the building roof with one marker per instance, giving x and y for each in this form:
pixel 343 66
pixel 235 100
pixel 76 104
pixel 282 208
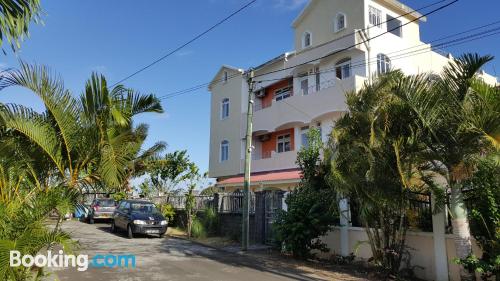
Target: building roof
pixel 394 4
pixel 268 177
pixel 222 68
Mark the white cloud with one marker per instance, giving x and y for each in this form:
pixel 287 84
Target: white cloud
pixel 184 53
pixel 289 4
pixel 98 68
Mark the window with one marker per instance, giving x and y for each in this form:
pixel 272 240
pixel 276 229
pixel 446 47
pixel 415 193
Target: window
pixel 224 77
pixel 306 39
pixel 283 93
pixel 343 68
pixel 340 22
pixel 318 79
pixel 394 26
pixel 304 137
pixel 304 86
pixel 320 130
pixel 224 111
pixel 383 64
pixel 224 151
pixel 375 16
pixel 284 143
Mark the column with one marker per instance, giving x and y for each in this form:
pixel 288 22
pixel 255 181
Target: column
pixel 438 228
pixel 345 223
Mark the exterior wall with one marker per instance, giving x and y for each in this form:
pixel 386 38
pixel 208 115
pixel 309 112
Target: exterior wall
pixel 421 246
pixel 227 129
pixel 270 146
pixel 319 20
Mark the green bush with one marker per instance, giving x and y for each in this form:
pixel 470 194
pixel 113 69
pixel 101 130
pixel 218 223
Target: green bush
pixel 484 215
pixel 210 220
pixel 310 215
pixel 198 229
pixel 167 211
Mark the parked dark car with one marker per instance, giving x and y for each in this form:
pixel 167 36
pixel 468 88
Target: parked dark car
pixel 101 209
pixel 138 217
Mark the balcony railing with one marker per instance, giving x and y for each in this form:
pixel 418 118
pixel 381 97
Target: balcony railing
pixel 313 89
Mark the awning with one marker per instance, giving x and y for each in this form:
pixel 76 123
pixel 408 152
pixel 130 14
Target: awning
pixel 264 177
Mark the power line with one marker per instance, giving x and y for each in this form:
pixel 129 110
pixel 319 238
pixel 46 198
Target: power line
pixel 362 63
pixel 200 86
pixel 362 42
pixel 187 43
pixel 425 49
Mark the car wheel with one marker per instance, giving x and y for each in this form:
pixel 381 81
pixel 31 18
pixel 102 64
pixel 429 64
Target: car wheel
pixel 113 227
pixel 91 220
pixel 130 234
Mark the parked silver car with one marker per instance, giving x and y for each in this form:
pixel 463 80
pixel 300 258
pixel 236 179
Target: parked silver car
pixel 101 209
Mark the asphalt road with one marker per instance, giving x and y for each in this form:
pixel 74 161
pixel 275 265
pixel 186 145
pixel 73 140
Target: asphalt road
pixel 165 259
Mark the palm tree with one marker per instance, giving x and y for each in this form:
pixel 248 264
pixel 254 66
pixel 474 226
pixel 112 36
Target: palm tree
pixel 462 114
pixel 85 141
pixel 15 17
pixel 376 155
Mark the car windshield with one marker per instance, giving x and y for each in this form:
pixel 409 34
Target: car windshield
pixel 144 208
pixel 105 203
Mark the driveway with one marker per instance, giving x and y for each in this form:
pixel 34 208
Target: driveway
pixel 170 259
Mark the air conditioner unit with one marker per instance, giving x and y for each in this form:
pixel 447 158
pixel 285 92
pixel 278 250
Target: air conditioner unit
pixel 265 137
pixel 260 93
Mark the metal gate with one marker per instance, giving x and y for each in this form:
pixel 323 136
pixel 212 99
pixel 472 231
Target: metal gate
pixel 273 203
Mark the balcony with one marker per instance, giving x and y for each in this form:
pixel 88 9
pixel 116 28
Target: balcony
pixel 274 161
pixel 304 106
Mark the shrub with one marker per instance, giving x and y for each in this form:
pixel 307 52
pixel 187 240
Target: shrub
pixel 484 215
pixel 310 215
pixel 167 211
pixel 210 220
pixel 197 229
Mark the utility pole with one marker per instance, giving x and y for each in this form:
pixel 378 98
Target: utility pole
pixel 245 239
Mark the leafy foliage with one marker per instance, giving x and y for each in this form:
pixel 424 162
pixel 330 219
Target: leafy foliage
pixel 167 211
pixel 15 18
pixel 484 200
pixel 23 228
pixel 310 207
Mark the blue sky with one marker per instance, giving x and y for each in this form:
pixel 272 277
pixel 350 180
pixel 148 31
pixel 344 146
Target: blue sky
pixel 117 37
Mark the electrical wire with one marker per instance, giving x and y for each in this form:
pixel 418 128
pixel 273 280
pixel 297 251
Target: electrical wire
pixel 199 86
pixel 186 43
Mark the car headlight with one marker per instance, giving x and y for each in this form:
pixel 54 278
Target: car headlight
pixel 139 222
pixel 163 223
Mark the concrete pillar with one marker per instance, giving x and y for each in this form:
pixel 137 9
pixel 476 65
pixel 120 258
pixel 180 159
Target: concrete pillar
pixel 438 229
pixel 345 223
pixel 297 137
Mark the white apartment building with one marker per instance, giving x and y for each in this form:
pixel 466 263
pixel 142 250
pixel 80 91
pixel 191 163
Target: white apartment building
pixel 307 86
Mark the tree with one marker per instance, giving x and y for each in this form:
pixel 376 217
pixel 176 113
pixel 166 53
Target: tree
pixel 376 159
pixel 84 141
pixel 166 174
pixel 462 115
pixel 310 206
pixel 15 17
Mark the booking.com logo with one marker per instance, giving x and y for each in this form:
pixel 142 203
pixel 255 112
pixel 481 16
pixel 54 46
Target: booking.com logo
pixel 81 262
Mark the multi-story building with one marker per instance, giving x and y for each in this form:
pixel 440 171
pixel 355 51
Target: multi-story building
pixel 306 88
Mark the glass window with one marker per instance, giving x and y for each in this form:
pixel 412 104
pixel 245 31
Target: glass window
pixel 318 79
pixel 224 151
pixel 394 26
pixel 375 16
pixel 304 86
pixel 224 108
pixel 224 77
pixel 283 93
pixel 306 39
pixel 383 64
pixel 343 69
pixel 284 143
pixel 304 138
pixel 340 22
